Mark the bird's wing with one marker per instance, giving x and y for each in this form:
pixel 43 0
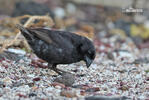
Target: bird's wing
pixel 43 36
pixel 60 39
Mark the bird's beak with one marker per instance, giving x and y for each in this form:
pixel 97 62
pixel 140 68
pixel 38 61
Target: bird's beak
pixel 88 61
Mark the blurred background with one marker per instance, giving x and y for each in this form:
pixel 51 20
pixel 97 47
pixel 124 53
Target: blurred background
pixel 95 19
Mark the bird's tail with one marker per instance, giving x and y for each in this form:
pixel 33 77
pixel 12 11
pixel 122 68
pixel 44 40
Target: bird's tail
pixel 25 32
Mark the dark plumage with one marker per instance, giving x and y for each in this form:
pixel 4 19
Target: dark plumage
pixel 59 47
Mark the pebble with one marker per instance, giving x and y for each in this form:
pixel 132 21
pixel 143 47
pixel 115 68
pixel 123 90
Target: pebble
pixel 32 94
pixel 2 84
pixel 17 51
pixel 59 12
pixel 66 79
pixel 58 84
pixel 95 89
pixel 7 80
pixel 68 93
pixel 106 98
pixel 71 8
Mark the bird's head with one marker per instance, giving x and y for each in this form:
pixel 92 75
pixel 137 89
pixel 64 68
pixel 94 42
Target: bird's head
pixel 87 51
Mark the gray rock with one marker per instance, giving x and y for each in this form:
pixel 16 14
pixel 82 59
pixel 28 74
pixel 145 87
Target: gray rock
pixel 106 98
pixel 66 79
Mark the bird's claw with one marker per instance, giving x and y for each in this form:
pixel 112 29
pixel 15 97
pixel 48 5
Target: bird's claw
pixel 61 72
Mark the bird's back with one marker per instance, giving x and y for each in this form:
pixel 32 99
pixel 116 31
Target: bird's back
pixel 59 47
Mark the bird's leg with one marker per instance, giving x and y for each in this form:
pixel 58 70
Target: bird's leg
pixel 62 71
pixel 59 71
pixel 53 67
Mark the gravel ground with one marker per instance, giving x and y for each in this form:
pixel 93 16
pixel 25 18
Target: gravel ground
pixel 120 69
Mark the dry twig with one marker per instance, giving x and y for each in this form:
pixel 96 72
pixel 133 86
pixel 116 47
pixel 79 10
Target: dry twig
pixel 43 20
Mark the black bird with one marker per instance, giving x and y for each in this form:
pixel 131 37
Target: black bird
pixel 59 47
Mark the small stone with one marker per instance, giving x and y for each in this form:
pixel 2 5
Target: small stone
pixel 125 54
pixel 82 93
pixel 94 89
pixel 36 79
pixel 141 60
pixel 58 84
pixel 2 84
pixel 31 75
pixel 23 88
pixel 84 87
pixel 30 84
pixel 106 98
pixel 59 12
pixel 7 80
pixel 17 51
pixel 34 88
pixel 147 78
pixel 122 71
pixel 58 87
pixel 21 95
pixel 66 79
pixel 68 93
pixel 71 8
pixel 17 84
pixel 32 94
pixel 124 88
pixel 110 56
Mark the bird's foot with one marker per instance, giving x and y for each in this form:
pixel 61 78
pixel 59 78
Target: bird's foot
pixel 56 70
pixel 62 71
pixel 59 71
